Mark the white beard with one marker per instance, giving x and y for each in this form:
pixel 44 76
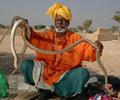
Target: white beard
pixel 60 30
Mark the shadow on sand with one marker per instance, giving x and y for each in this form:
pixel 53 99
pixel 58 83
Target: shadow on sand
pixel 6 61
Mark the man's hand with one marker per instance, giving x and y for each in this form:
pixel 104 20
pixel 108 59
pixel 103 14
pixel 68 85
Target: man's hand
pixel 99 46
pixel 22 25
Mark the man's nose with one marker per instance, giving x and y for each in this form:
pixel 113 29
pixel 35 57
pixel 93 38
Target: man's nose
pixel 60 22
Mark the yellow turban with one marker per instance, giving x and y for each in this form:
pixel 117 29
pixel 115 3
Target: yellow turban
pixel 59 9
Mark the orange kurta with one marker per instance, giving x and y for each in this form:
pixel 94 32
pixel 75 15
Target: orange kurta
pixel 57 64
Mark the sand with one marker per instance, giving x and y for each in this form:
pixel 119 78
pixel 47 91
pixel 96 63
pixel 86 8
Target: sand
pixel 110 57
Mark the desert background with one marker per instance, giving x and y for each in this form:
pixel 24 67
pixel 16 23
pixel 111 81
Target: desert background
pixel 17 87
pixel 110 57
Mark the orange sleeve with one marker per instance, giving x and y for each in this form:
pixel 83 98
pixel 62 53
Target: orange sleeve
pixel 89 53
pixel 34 37
pixel 86 50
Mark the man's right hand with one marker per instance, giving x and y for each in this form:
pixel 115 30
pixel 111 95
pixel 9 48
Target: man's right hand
pixel 22 25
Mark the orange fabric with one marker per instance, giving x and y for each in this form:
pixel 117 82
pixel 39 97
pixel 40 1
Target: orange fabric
pixel 57 64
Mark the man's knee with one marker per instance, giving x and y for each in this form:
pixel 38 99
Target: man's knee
pixel 84 72
pixel 27 69
pixel 25 64
pixel 80 72
pixel 73 82
pixel 79 76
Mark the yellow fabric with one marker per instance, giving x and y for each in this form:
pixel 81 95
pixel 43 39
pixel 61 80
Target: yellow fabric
pixel 59 9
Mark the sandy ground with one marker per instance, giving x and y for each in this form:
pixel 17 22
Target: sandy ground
pixel 110 57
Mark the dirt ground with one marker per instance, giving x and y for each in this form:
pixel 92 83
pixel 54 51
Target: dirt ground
pixel 110 57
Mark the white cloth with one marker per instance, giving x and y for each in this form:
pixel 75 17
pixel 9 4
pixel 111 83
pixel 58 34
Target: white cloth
pixel 38 76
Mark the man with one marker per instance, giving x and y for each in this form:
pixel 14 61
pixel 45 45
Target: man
pixel 63 73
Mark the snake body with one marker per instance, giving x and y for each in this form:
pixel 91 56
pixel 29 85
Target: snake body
pixel 28 44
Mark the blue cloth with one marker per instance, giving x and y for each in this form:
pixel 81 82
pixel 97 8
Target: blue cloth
pixel 27 69
pixel 73 82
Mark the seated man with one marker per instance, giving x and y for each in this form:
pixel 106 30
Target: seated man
pixel 62 73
